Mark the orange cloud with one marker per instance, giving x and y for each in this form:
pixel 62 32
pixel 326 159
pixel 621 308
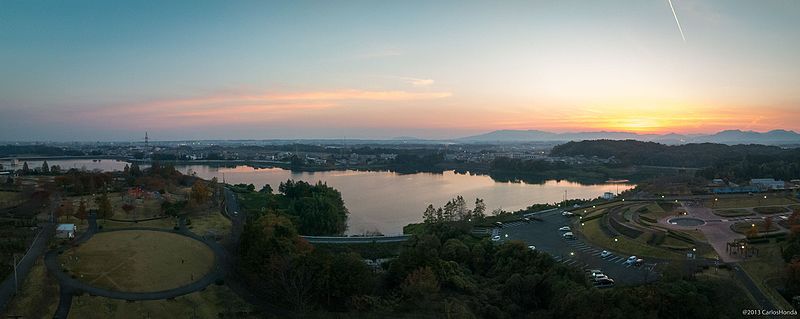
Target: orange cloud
pixel 244 108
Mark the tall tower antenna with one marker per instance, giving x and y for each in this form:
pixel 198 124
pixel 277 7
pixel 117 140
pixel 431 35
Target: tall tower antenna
pixel 146 139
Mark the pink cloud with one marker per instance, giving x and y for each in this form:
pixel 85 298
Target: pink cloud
pixel 243 108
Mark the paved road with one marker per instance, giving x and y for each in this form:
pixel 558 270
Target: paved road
pixel 547 238
pixel 762 300
pixel 238 217
pixel 24 265
pixel 355 240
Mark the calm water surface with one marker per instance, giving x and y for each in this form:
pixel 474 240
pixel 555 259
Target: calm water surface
pixel 386 201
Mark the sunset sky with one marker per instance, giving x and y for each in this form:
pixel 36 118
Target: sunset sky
pixel 111 70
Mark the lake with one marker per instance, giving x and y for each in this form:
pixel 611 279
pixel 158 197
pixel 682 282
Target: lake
pixel 386 201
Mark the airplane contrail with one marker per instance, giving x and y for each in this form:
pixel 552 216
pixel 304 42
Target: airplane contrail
pixel 676 20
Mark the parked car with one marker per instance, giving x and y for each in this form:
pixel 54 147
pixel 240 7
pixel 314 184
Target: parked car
pixel 594 271
pixel 604 283
pixel 567 214
pixel 496 238
pixel 638 262
pixel 565 228
pixel 568 235
pixel 598 275
pixel 605 254
pixel 631 260
pixel 527 220
pixel 498 224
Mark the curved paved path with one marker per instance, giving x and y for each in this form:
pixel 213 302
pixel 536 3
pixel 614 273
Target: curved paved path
pixel 70 286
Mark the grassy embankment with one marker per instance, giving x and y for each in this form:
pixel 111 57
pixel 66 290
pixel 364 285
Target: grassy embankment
pixel 213 302
pixel 665 248
pixel 768 270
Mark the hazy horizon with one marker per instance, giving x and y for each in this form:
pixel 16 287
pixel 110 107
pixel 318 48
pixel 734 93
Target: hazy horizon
pixel 99 70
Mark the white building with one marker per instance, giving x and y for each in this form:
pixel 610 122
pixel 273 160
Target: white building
pixel 767 183
pixel 66 231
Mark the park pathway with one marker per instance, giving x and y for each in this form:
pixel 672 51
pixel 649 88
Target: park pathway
pixel 70 286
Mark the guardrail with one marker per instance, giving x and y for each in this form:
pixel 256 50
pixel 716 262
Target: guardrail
pixel 355 240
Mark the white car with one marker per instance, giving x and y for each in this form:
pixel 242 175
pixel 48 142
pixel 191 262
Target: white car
pixel 532 247
pixel 496 238
pixel 604 283
pixel 601 277
pixel 605 254
pixel 631 260
pixel 567 214
pixel 568 235
pixel 565 228
pixel 597 275
pixel 595 271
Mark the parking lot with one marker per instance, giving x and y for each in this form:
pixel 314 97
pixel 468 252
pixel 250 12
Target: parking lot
pixel 547 238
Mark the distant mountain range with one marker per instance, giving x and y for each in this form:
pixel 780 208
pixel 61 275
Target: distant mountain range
pixel 775 137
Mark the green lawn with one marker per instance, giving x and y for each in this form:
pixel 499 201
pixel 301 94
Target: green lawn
pixel 596 209
pixel 770 210
pixel 38 294
pixel 639 247
pixel 768 265
pixel 655 211
pixel 211 222
pixel 138 261
pixel 213 302
pixel 732 212
pixel 9 198
pixel 749 201
pixel 743 227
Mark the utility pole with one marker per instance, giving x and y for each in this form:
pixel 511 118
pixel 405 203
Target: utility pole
pixel 16 280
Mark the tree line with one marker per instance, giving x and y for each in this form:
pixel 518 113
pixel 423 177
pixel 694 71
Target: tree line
pixel 445 271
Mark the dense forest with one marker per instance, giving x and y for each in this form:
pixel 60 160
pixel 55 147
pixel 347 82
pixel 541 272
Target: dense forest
pixel 315 209
pixel 731 162
pixel 445 272
pixel 40 150
pixel 649 153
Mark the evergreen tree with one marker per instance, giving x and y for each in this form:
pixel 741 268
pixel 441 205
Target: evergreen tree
pixel 104 209
pixel 45 168
pixel 480 209
pixel 429 215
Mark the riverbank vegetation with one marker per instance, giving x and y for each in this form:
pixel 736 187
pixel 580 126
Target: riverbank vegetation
pixel 315 209
pixel 446 271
